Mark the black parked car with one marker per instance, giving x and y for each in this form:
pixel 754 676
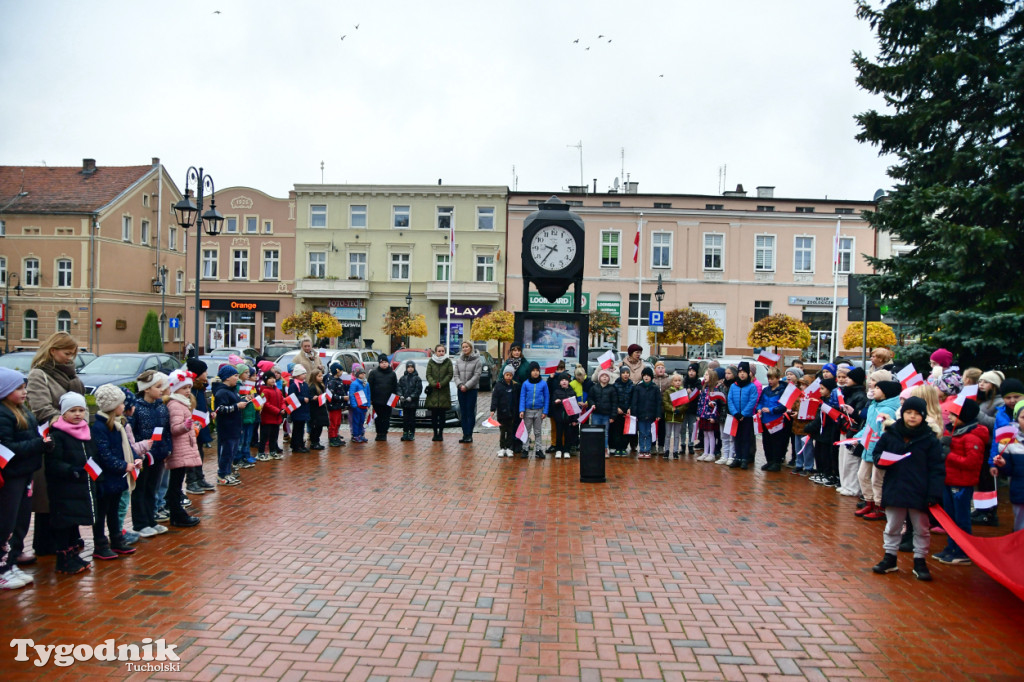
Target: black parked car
pixel 122 368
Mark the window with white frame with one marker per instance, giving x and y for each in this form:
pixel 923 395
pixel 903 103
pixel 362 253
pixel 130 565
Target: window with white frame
pixel 3 271
pixel 64 322
pixel 357 265
pixel 209 263
pixel 400 265
pixel 357 215
pixel 610 243
pixel 231 224
pixel 661 249
pixel 271 264
pixel 762 309
pixel 64 272
pixel 445 216
pixel 252 224
pixel 714 251
pixel 144 232
pixel 400 216
pixel 268 227
pixel 31 326
pixel 163 327
pixel 485 217
pixel 172 239
pixel 126 228
pixel 31 272
pixel 179 283
pixel 240 264
pixel 318 215
pixel 845 255
pixel 803 254
pixel 764 253
pixel 317 264
pixel 485 268
pixel 442 267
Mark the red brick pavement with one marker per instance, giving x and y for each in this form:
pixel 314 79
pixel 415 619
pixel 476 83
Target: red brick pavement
pixel 426 561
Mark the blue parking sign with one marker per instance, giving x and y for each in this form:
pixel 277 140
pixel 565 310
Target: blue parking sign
pixel 656 318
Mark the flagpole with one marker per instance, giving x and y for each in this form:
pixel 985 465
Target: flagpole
pixel 639 276
pixel 451 274
pixel 835 290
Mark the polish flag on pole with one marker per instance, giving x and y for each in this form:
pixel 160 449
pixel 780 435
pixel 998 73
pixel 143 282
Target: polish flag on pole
pixel 808 408
pixel 776 426
pixel 133 472
pixel 847 441
pixel 985 500
pixel 869 435
pixel 908 377
pixel 491 423
pixel 292 402
pixel 571 406
pixel 586 415
pixel 202 417
pixel 1006 433
pixel 393 400
pixel 44 429
pixel 521 433
pixel 806 440
pixel 679 398
pixel 149 459
pixel 830 412
pixel 369 415
pixel 758 426
pixel 551 368
pixel 93 469
pixel 790 396
pixel 731 425
pixel 717 395
pixel 890 458
pixel 813 388
pixel 629 427
pixel 636 245
pixel 6 455
pixel 766 358
pixel 346 378
pixel 968 393
pixel 607 360
pixel 260 400
pixel 327 392
pixel 322 399
pixel 244 390
pixel 158 434
pixel 360 399
pixel 654 431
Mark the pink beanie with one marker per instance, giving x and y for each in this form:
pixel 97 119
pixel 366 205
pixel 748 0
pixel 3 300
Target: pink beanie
pixel 942 357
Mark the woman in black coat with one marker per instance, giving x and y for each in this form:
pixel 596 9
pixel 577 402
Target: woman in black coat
pixel 72 492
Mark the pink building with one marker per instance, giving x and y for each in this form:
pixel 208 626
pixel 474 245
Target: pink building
pixel 735 257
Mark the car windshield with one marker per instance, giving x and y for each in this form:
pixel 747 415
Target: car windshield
pixel 274 352
pixel 21 362
pixel 113 364
pixel 224 352
pixel 408 354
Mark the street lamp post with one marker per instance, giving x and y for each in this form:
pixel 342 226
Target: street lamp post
pixel 659 295
pixel 188 212
pixel 7 307
pixel 161 284
pixel 408 310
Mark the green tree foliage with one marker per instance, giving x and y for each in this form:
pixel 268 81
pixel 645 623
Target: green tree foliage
pixel 149 337
pixel 951 74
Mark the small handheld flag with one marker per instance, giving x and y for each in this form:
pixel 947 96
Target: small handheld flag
pixel 808 408
pixel 679 398
pixel 908 377
pixel 346 378
pixel 149 459
pixel 607 360
pixel 847 441
pixel 968 393
pixel 766 358
pixel 158 434
pixel 629 426
pixel 521 432
pixel 758 426
pixel 776 426
pixel 806 440
pixel 790 396
pixel 360 399
pixel 327 392
pixel 550 369
pixel 731 425
pixel 1006 433
pixel 260 400
pixel 293 400
pixel 491 423
pixel 321 399
pixel 6 455
pixel 654 431
pixel 717 395
pixel 829 411
pixel 369 415
pixel 889 458
pixel 93 469
pixel 571 406
pixel 133 472
pixel 813 388
pixel 985 500
pixel 393 400
pixel 586 415
pixel 202 417
pixel 44 429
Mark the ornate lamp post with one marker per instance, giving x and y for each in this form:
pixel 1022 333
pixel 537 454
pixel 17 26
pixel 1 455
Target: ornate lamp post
pixel 161 284
pixel 187 212
pixel 659 295
pixel 7 307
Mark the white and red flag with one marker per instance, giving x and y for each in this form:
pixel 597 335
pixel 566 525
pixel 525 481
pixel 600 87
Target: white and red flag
pixel 636 245
pixel 985 500
pixel 680 397
pixel 369 415
pixel 776 425
pixel 717 395
pixel 327 392
pixel 806 440
pixel 731 425
pixel 322 399
pixel 571 406
pixel 1006 433
pixel 346 378
pixel 158 434
pixel 847 441
pixel 629 426
pixel 260 400
pixel 888 458
pixel 6 455
pixel 203 418
pixel 830 412
pixel 521 432
pixel 766 358
pixel 758 426
pixel 790 396
pixel 813 388
pixel 491 423
pixel 607 360
pixel 968 393
pixel 908 376
pixel 44 429
pixel 550 368
pixel 360 399
pixel 133 472
pixel 654 431
pixel 93 469
pixel 586 415
pixel 291 403
pixel 393 400
pixel 808 409
pixel 149 459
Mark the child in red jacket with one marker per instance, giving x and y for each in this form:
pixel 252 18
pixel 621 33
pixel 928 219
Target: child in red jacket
pixel 271 417
pixel 968 448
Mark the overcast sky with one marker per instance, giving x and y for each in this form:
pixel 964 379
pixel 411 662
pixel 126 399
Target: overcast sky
pixel 259 92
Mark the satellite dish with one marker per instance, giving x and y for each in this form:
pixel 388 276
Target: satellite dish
pixel 616 183
pixel 879 195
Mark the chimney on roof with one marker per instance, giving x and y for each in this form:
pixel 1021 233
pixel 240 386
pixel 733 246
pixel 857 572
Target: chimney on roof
pixel 765 191
pixel 630 187
pixel 738 192
pixel 156 160
pixel 88 166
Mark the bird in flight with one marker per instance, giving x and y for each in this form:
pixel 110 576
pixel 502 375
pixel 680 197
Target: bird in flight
pixel 343 37
pixel 576 41
pixel 216 11
pixel 587 49
pixel 357 27
pixel 609 40
pixel 600 36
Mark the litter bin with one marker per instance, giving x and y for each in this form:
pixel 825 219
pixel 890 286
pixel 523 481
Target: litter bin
pixel 592 454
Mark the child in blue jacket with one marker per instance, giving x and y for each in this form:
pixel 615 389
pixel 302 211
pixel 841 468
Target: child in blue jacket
pixel 742 401
pixel 534 401
pixel 776 427
pixel 1010 462
pixel 357 412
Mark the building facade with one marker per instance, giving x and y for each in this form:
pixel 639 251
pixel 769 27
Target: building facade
pixel 247 272
pixel 90 251
pixel 734 257
pixel 363 250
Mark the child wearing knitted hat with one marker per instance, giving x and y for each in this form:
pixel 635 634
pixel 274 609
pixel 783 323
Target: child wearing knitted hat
pixel 71 490
pixel 150 423
pixel 968 450
pixel 229 408
pixel 119 467
pixel 1010 462
pixel 184 446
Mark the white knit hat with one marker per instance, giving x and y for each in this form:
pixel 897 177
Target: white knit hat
pixel 157 379
pixel 298 371
pixel 179 378
pixel 108 397
pixel 72 399
pixel 994 377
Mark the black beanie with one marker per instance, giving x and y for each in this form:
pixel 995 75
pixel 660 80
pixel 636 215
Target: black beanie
pixel 969 412
pixel 856 375
pixel 1011 386
pixel 890 389
pixel 196 366
pixel 915 404
pixel 647 372
pixel 830 384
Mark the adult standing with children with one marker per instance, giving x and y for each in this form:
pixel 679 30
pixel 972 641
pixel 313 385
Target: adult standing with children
pixel 468 368
pixel 440 372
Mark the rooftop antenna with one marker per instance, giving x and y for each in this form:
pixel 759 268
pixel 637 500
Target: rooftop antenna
pixel 721 178
pixel 622 157
pixel 515 179
pixel 321 172
pixel 579 146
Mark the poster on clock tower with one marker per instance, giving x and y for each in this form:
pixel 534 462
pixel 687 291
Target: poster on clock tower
pixel 549 338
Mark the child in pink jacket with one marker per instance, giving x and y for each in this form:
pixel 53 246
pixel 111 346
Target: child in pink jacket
pixel 184 448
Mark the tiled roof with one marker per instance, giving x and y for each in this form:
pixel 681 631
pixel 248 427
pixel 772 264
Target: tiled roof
pixel 64 189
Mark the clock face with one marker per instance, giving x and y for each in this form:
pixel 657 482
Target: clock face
pixel 553 248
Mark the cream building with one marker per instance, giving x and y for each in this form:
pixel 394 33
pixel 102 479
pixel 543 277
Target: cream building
pixel 735 257
pixel 361 250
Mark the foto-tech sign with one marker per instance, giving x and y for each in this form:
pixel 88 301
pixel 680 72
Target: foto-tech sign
pixel 562 304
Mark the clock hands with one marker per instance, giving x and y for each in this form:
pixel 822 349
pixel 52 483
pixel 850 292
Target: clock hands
pixel 551 249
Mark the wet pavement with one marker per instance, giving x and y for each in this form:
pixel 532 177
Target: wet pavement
pixel 439 561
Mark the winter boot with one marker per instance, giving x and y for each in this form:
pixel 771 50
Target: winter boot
pixel 921 569
pixel 866 509
pixel 886 565
pixel 63 562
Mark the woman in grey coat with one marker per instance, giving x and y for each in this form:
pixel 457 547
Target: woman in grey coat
pixel 468 367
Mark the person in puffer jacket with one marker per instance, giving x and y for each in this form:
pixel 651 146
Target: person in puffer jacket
pixel 646 407
pixel 742 401
pixel 505 408
pixel 624 398
pixel 534 402
pixel 184 445
pixel 336 407
pixel 1010 462
pixel 968 448
pixel 605 399
pixel 883 407
pixel 409 388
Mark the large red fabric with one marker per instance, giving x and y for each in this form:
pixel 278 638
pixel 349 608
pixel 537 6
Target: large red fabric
pixel 1001 557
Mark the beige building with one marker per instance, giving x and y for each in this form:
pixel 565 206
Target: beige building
pixel 735 257
pixel 361 250
pixel 247 271
pixel 82 251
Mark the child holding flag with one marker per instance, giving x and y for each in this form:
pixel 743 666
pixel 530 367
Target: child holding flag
pixel 674 416
pixel 72 492
pixel 504 406
pixel 297 387
pixel 250 418
pixel 533 405
pixel 914 480
pixel 646 407
pixel 229 424
pixel 564 437
pixel 1010 462
pixel 968 449
pixel 318 419
pixel 775 436
pixel 118 467
pixel 336 406
pixel 624 387
pixel 410 386
pixel 802 414
pixel 885 401
pixel 710 413
pixel 183 435
pixel 604 399
pixel 691 382
pixel 271 416
pixel 359 401
pixel 824 431
pixel 742 402
pixel 150 422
